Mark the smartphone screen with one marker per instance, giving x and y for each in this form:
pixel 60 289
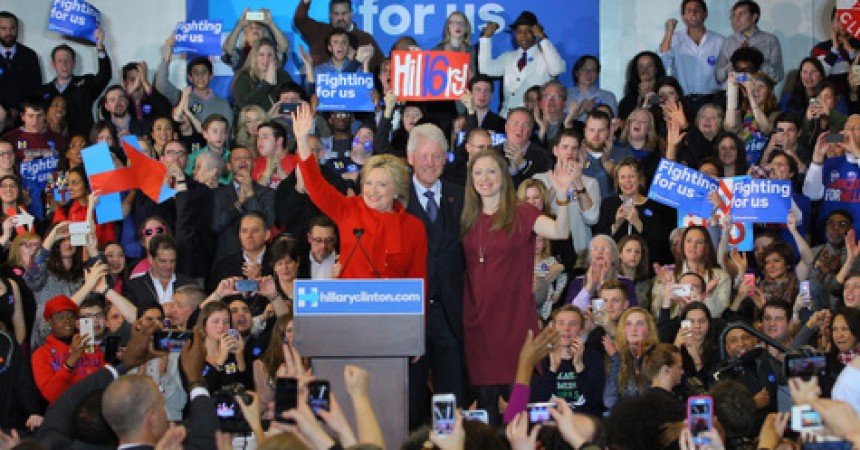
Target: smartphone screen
pixel 85 328
pixel 479 415
pixel 539 412
pixel 286 397
pixel 318 396
pixel 170 341
pixel 444 406
pixel 749 280
pixel 700 417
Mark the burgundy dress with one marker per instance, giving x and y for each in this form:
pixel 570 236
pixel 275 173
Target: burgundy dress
pixel 498 305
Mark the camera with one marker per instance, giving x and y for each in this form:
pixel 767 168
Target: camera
pixel 806 366
pixel 230 417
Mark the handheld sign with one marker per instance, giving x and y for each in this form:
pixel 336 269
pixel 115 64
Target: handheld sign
pixel 35 175
pixel 761 200
pixel 200 37
pixel 429 75
pixel 97 159
pixel 344 91
pixel 74 18
pixel 848 13
pixel 676 185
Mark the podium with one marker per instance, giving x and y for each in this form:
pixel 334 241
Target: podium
pixel 376 324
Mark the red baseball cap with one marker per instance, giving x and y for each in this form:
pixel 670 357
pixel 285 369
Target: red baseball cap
pixel 57 304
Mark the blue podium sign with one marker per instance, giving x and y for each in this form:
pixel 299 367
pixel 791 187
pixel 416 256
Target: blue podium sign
pixel 359 297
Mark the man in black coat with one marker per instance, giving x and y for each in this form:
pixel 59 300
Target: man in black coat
pixel 20 73
pixel 438 204
pixel 157 285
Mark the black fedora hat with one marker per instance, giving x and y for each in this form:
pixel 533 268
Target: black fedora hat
pixel 525 18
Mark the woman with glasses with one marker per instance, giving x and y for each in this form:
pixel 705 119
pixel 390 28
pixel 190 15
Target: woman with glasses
pixel 13 200
pixel 75 210
pixel 152 226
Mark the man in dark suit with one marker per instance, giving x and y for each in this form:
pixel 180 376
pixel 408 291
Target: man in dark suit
pixel 252 259
pixel 156 286
pixel 20 74
pixel 477 103
pixel 233 200
pixel 438 204
pixel 132 404
pixel 524 157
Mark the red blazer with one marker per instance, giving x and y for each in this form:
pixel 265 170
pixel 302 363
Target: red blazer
pixel 105 232
pixel 396 242
pixel 51 377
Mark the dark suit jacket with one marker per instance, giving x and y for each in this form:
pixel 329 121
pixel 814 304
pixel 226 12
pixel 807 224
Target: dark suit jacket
pixel 56 430
pixel 538 160
pixel 21 79
pixel 231 266
pixel 194 238
pixel 80 95
pixel 492 122
pixel 141 291
pixel 445 264
pixel 226 217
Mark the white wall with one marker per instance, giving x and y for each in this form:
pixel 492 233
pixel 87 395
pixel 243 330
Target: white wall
pixel 136 29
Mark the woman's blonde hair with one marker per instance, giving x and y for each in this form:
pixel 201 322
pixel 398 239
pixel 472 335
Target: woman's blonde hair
pixel 396 170
pixel 243 138
pixel 540 186
pixel 503 219
pixel 467 37
pixel 251 60
pixel 629 367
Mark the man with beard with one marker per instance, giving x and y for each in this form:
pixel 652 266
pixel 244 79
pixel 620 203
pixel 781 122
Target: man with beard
pixel 601 156
pixel 114 109
pixel 524 157
pixel 20 74
pixel 340 16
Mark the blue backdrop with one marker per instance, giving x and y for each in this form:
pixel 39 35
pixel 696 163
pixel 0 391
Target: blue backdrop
pixel 572 26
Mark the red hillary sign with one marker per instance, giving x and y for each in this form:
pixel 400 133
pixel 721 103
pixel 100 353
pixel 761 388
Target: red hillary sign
pixel 429 75
pixel 848 12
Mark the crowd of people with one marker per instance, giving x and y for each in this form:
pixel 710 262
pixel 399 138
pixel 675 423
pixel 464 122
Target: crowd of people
pixel 550 275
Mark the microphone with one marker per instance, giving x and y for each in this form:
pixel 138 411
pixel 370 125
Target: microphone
pixel 359 233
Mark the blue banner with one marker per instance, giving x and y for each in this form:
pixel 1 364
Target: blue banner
pixel 35 175
pixel 200 37
pixel 350 297
pixel 681 187
pixel 741 237
pixel 75 18
pixel 761 200
pixel 339 91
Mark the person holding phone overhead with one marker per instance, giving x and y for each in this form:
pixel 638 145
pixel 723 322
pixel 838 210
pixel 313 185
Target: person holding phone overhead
pixel 379 239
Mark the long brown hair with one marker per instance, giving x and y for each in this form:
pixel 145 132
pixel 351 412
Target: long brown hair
pixel 273 357
pixel 710 257
pixel 503 218
pixel 628 364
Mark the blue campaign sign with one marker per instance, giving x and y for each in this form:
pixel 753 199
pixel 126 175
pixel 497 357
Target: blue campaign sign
pixel 75 18
pixel 338 91
pixel 681 187
pixel 351 297
pixel 741 237
pixel 761 200
pixel 35 175
pixel 200 37
pixel 97 159
pixel 574 33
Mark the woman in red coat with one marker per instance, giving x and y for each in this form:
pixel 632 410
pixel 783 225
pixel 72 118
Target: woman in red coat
pixel 75 210
pixel 379 239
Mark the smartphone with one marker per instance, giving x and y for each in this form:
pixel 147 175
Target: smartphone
pixel 234 333
pixel 170 341
pixel 700 417
pixel 318 396
pixel 254 16
pixel 111 348
pixel 834 138
pixel 597 304
pixel 688 324
pixel 539 412
pixel 814 101
pixel 682 290
pixel 654 100
pixel 246 285
pixel 478 415
pixel 749 280
pixel 287 108
pixel 805 293
pixel 286 397
pixel 742 77
pixel 805 366
pixel 444 406
pixel 85 328
pixel 804 418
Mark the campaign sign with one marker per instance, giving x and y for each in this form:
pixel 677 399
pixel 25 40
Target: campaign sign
pixel 761 200
pixel 340 91
pixel 741 236
pixel 848 12
pixel 75 18
pixel 679 186
pixel 429 75
pixel 35 175
pixel 495 138
pixel 200 37
pixel 356 296
pixel 97 159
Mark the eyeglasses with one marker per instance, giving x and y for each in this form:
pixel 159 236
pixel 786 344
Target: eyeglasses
pixel 161 229
pixel 99 315
pixel 326 240
pixel 838 223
